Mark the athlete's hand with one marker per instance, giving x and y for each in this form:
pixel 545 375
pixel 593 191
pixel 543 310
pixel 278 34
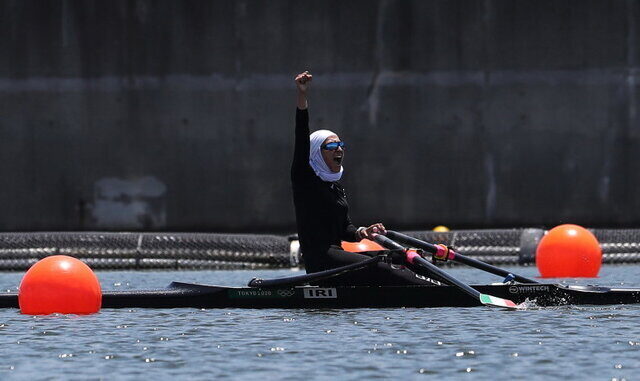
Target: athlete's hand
pixel 303 80
pixel 374 229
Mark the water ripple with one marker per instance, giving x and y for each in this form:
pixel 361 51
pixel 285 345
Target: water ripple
pixel 536 344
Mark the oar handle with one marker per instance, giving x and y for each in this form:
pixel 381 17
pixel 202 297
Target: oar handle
pixel 386 242
pixel 455 256
pixel 426 246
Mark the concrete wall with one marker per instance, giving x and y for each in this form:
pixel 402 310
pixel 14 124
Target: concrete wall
pixel 178 115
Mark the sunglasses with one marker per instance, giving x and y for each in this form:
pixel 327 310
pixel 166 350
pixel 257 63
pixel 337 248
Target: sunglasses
pixel 332 146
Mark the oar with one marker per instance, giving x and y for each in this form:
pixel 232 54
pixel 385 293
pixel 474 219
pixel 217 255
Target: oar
pixel 304 279
pixel 455 256
pixel 415 259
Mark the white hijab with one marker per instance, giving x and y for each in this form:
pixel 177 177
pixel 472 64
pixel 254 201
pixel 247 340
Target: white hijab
pixel 315 156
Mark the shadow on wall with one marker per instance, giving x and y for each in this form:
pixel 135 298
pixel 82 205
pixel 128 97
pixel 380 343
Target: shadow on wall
pixel 129 203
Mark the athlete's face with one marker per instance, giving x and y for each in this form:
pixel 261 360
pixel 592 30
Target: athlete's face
pixel 333 158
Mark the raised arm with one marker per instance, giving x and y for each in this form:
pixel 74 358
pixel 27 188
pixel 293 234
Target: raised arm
pixel 300 165
pixel 303 81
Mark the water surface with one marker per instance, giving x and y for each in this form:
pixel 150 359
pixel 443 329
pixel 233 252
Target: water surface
pixel 444 343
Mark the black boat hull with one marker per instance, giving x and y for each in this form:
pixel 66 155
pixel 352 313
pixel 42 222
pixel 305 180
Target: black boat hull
pixel 186 295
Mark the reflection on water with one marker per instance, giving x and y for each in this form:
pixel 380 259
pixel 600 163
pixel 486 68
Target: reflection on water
pixel 538 343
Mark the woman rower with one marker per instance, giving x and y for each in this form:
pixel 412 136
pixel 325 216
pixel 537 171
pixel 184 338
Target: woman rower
pixel 322 212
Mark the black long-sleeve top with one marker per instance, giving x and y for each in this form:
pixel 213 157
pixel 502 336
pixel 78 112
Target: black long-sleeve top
pixel 322 211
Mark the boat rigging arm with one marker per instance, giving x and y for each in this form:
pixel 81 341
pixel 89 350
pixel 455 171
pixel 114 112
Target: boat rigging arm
pixel 300 280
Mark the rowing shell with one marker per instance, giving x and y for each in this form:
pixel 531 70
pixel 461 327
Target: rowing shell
pixel 187 295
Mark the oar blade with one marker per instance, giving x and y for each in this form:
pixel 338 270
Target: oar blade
pixel 494 301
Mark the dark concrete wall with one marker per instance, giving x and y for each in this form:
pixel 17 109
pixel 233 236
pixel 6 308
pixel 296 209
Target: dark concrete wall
pixel 178 115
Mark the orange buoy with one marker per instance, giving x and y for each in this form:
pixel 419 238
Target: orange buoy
pixel 61 284
pixel 441 229
pixel 569 251
pixel 364 245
